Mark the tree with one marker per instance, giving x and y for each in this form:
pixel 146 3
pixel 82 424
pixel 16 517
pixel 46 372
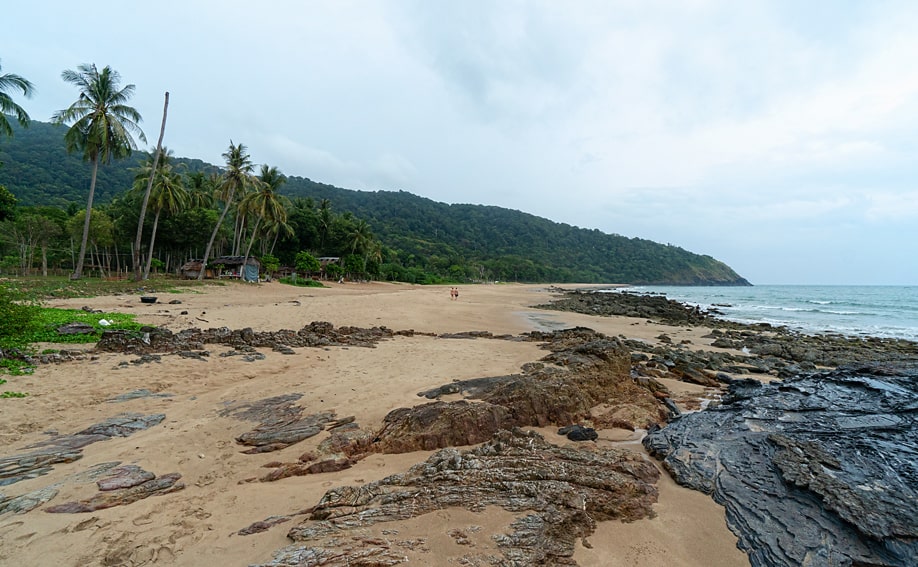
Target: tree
pixel 265 203
pixel 236 177
pixel 167 194
pixel 102 128
pixel 146 199
pixel 8 108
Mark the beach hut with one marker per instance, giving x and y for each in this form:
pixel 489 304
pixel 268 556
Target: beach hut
pixel 230 267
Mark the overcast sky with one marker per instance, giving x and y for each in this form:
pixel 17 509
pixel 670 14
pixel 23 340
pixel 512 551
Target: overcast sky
pixel 780 137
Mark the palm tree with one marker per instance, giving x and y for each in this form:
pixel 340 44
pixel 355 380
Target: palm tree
pixel 101 130
pixel 8 108
pixel 168 195
pixel 265 203
pixel 236 177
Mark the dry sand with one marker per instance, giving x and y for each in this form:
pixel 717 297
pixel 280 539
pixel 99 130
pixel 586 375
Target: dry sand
pixel 196 526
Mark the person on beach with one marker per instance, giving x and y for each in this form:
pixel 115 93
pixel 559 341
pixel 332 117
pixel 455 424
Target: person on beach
pixel 455 293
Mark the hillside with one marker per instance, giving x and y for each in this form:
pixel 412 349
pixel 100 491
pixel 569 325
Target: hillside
pixel 501 243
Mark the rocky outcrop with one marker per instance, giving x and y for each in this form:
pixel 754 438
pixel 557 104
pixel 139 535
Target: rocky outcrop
pixel 627 304
pixel 816 470
pixel 281 423
pixel 69 448
pixel 584 370
pixel 316 334
pixel 135 488
pixel 558 494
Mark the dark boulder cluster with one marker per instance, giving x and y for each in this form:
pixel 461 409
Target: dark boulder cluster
pixel 560 493
pixel 814 470
pixel 627 304
pixel 316 334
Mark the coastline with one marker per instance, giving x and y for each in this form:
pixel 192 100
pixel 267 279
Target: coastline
pixel 199 523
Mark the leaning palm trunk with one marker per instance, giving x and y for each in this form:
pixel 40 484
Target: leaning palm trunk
pixel 78 270
pixel 213 236
pixel 146 270
pixel 146 198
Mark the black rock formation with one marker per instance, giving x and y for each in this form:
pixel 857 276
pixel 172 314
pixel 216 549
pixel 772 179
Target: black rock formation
pixel 815 470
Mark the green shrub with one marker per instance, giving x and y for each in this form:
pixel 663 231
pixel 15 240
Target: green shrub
pixel 301 282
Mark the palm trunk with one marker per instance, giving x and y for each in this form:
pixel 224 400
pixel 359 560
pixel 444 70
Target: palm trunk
pixel 213 236
pixel 78 271
pixel 146 195
pixel 146 271
pixel 44 260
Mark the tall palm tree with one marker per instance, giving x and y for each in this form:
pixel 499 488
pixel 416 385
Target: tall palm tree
pixel 236 177
pixel 102 128
pixel 168 195
pixel 265 203
pixel 8 108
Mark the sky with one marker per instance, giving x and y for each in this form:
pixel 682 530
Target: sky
pixel 780 137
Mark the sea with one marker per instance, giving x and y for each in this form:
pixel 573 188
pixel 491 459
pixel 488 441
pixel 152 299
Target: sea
pixel 875 311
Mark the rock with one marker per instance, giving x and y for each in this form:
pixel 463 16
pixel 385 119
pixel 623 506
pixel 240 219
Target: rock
pixel 124 476
pixel 75 328
pixel 282 423
pixel 579 433
pixel 559 493
pixel 440 424
pixel 164 484
pixel 68 448
pixel 819 469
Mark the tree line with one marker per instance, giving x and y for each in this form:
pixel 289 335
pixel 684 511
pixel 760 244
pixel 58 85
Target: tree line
pixel 197 210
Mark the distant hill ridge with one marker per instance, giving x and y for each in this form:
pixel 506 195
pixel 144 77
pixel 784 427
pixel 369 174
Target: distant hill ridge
pixel 512 245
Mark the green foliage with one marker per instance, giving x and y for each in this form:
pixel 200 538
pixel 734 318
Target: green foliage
pixel 13 395
pixel 412 239
pixel 270 263
pixel 306 263
pixel 17 316
pixel 301 282
pixel 44 326
pixel 14 368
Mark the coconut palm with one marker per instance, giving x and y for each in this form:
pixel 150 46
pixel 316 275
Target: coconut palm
pixel 236 177
pixel 102 128
pixel 8 108
pixel 169 196
pixel 265 203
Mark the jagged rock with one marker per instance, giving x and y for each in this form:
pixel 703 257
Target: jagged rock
pixel 137 394
pixel 263 525
pixel 579 433
pixel 817 470
pixel 164 484
pixel 440 424
pixel 27 502
pixel 282 423
pixel 125 476
pixel 561 491
pixel 75 328
pixel 68 448
pixel 123 425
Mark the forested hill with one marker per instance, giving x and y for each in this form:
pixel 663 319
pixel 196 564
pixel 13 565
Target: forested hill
pixel 503 244
pixel 519 245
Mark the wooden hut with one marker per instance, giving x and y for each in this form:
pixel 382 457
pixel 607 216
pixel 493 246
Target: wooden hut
pixel 224 267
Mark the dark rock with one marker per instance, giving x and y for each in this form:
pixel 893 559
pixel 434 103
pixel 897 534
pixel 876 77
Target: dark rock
pixel 818 470
pixel 75 328
pixel 440 424
pixel 579 433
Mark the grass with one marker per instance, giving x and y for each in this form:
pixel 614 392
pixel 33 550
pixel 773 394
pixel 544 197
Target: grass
pixel 301 282
pixel 62 287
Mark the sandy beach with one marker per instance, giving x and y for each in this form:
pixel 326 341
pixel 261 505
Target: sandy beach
pixel 198 525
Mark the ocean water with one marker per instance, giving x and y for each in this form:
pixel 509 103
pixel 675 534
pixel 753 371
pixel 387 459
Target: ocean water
pixel 876 311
